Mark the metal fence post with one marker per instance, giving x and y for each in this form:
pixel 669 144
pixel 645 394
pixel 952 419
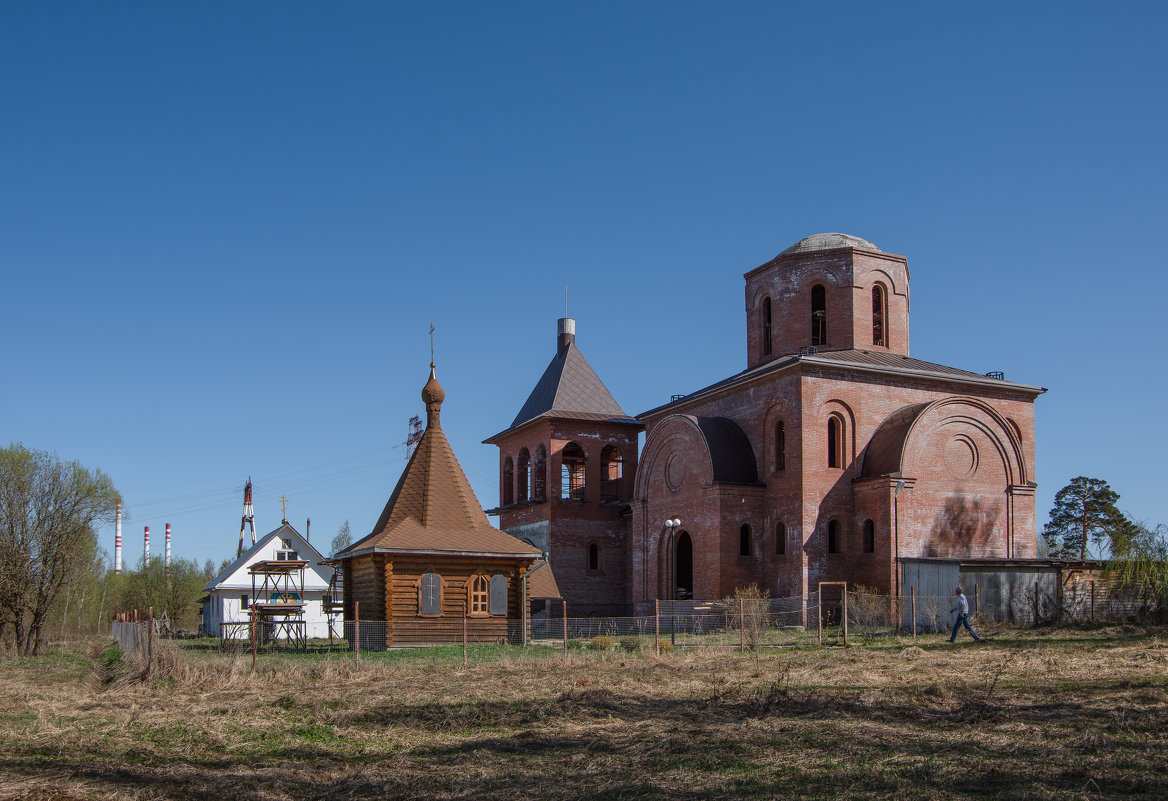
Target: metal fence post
pixel 464 612
pixel 357 630
pixel 845 615
pixel 253 638
pixel 976 598
pixel 149 640
pixel 741 624
pixel 913 590
pixel 819 618
pixel 565 628
pixel 1092 601
pixel 1036 603
pixel 657 626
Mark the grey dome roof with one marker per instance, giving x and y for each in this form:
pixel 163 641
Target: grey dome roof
pixel 829 242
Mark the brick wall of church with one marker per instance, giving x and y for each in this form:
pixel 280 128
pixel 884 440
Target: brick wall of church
pixel 571 526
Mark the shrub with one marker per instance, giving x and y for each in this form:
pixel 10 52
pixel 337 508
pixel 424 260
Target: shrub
pixel 631 644
pixel 665 647
pixel 603 643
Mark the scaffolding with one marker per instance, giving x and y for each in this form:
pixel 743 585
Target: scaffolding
pixel 278 609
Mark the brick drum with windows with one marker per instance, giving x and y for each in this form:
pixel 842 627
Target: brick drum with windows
pixel 432 556
pixel 831 455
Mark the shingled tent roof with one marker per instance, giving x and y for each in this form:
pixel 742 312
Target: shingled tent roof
pixel 569 389
pixel 433 508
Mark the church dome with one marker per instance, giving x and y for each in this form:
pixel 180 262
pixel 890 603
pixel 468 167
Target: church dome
pixel 433 394
pixel 829 242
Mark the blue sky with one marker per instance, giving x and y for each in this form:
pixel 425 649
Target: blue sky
pixel 225 228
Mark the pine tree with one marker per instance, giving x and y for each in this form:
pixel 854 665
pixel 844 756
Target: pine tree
pixel 1084 509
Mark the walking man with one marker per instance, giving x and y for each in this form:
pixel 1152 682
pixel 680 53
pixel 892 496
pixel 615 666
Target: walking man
pixel 962 610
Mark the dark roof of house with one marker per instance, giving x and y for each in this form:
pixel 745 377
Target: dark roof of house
pixel 433 508
pixel 285 531
pixel 861 360
pixel 569 389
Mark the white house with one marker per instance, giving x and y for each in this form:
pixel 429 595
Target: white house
pixel 229 595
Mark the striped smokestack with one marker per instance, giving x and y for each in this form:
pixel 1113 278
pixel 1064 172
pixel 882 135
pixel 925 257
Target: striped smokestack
pixel 146 548
pixel 118 541
pixel 167 552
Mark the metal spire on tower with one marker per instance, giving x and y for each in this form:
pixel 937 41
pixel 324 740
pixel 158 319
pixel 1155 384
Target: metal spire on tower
pixel 248 517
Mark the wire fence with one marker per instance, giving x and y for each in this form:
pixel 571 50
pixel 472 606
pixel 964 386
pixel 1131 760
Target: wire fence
pixel 830 615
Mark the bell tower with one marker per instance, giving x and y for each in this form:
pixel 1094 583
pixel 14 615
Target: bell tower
pixel 567 464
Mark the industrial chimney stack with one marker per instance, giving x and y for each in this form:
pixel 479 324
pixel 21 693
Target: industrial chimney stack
pixel 146 548
pixel 167 552
pixel 118 541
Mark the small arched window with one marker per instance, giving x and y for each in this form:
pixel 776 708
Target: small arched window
pixel 611 473
pixel 818 315
pixel 766 326
pixel 869 537
pixel 572 464
pixel 780 446
pixel 833 537
pixel 539 474
pixel 780 539
pixel 430 594
pixel 508 482
pixel 498 593
pixel 524 486
pixel 744 540
pixel 478 595
pixel 835 441
pixel 593 557
pixel 879 317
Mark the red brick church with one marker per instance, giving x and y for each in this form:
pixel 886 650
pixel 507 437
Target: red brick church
pixel 830 457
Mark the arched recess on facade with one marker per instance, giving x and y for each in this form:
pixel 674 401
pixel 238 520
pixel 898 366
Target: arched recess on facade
pixel 891 447
pixel 714 449
pixel 676 434
pixel 776 444
pixel 846 418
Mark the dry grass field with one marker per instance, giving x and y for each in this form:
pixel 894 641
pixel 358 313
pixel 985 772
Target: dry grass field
pixel 1034 714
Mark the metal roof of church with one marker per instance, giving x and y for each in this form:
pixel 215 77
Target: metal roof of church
pixel 829 242
pixel 862 360
pixel 433 508
pixel 569 389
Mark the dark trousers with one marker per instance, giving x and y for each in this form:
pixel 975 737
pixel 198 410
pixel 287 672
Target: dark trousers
pixel 963 620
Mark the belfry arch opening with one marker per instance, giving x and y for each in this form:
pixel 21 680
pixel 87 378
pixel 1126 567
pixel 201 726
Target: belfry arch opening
pixel 879 317
pixel 818 315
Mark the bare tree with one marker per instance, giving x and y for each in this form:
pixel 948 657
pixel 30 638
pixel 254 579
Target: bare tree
pixel 49 510
pixel 343 539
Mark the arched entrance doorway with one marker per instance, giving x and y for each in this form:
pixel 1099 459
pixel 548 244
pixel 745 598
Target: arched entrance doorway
pixel 683 559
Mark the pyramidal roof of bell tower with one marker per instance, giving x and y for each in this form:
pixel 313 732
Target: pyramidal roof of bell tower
pixel 569 388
